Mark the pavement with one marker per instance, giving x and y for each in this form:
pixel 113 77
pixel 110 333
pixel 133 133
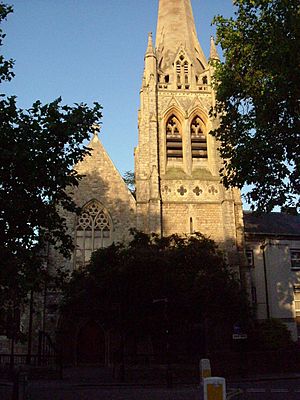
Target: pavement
pixel 90 384
pixel 156 377
pixel 264 377
pixel 93 383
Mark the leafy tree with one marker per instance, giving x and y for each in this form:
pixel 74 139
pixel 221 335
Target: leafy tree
pixel 270 334
pixel 258 98
pixel 38 150
pixel 154 282
pixel 129 179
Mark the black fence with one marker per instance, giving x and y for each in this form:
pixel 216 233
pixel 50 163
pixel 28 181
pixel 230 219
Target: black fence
pixel 23 359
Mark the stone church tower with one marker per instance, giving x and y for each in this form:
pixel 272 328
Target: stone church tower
pixel 176 161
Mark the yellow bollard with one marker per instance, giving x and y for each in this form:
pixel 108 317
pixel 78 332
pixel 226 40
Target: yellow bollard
pixel 205 369
pixel 214 388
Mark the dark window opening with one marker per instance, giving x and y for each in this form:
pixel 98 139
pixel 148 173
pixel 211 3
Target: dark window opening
pixel 198 139
pixel 182 72
pixel 191 225
pixel 249 255
pixel 173 138
pixel 295 259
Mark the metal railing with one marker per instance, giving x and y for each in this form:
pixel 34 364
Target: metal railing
pixel 47 356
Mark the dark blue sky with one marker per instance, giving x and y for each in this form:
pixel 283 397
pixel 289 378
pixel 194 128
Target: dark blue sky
pixel 91 50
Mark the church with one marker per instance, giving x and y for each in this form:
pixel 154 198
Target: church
pixel 177 163
pixel 178 187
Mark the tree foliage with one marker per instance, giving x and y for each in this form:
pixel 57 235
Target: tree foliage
pixel 258 98
pixel 129 179
pixel 38 150
pixel 271 334
pixel 153 281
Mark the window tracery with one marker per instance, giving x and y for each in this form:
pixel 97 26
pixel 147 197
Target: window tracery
pixel 173 138
pixel 182 72
pixel 93 231
pixel 198 139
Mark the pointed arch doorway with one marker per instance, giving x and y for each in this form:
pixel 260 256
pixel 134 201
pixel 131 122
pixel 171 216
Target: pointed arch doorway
pixel 91 344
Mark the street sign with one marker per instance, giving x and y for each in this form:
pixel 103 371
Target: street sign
pixel 239 336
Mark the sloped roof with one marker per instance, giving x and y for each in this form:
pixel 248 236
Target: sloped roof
pixel 274 223
pixel 101 174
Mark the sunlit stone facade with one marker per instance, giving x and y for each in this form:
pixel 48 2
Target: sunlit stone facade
pixel 176 161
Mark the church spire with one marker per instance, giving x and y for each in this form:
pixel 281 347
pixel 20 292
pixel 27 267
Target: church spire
pixel 214 56
pixel 175 30
pixel 150 62
pixel 150 49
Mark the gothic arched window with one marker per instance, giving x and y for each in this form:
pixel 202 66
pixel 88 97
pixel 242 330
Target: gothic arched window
pixel 182 72
pixel 93 231
pixel 198 139
pixel 173 138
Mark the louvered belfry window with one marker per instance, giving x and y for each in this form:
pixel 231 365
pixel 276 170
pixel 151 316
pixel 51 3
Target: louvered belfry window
pixel 93 231
pixel 198 139
pixel 182 73
pixel 174 138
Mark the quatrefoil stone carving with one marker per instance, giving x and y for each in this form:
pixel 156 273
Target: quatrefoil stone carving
pixel 182 190
pixel 197 191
